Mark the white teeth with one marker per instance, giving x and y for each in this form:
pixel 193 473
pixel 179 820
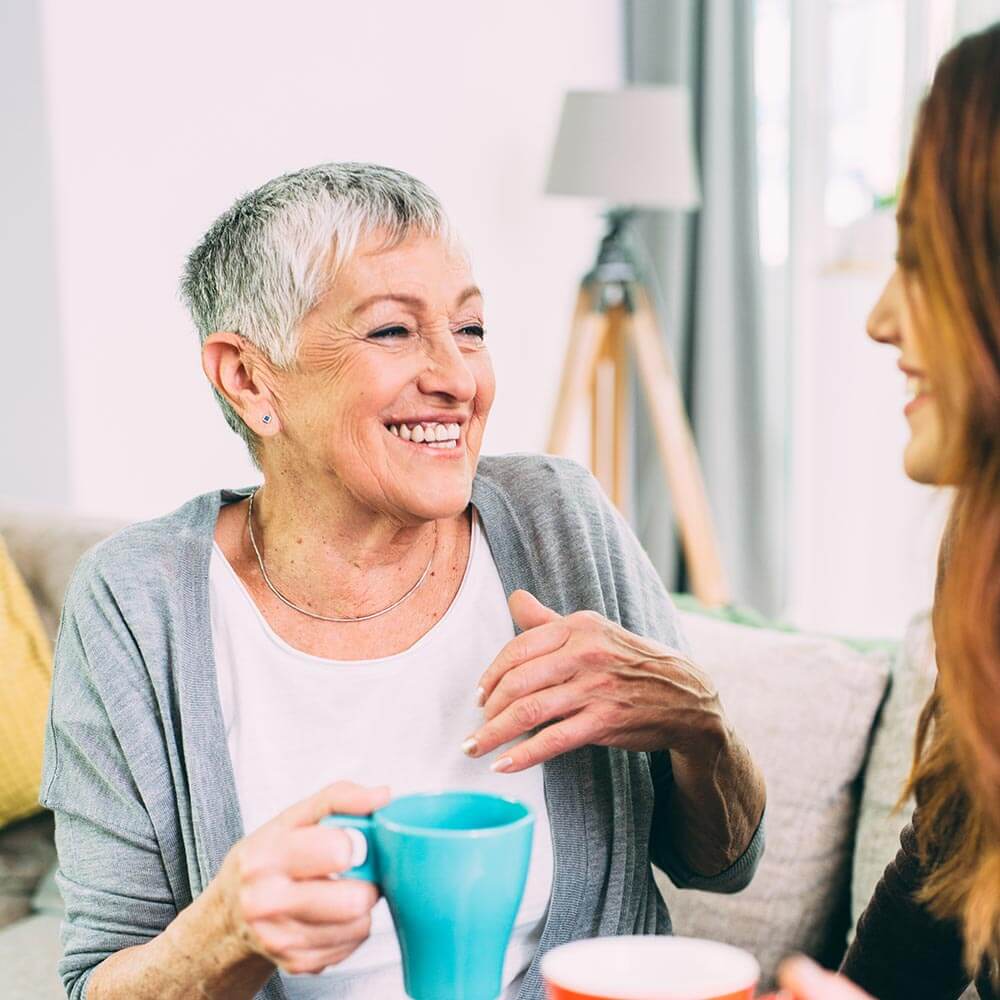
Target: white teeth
pixel 428 433
pixel 916 386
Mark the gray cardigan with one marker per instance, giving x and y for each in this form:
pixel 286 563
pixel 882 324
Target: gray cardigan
pixel 139 777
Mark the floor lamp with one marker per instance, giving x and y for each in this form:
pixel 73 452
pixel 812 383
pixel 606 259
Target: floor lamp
pixel 632 148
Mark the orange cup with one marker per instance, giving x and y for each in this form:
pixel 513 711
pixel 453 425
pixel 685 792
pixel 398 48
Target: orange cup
pixel 649 968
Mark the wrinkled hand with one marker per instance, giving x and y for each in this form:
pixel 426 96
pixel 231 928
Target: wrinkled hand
pixel 805 980
pixel 281 903
pixel 581 680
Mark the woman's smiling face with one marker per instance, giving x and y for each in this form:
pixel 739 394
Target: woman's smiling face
pixel 896 319
pixel 393 382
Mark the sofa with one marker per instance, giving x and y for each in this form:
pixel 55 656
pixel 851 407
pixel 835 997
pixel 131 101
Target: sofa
pixel 829 720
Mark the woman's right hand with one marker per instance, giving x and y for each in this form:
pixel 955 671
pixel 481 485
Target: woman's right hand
pixel 802 979
pixel 277 898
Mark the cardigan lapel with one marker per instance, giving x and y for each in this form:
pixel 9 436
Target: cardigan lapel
pixel 215 807
pixel 216 820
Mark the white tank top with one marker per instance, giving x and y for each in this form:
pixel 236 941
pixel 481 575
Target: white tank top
pixel 398 720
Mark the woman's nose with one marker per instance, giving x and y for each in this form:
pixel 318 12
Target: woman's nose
pixel 447 372
pixel 883 320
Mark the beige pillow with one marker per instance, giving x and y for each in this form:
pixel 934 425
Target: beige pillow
pixel 805 706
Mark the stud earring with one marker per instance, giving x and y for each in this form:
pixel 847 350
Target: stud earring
pixel 266 418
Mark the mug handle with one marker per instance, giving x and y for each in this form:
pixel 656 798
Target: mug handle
pixel 367 870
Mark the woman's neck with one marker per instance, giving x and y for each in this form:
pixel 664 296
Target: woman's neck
pixel 333 554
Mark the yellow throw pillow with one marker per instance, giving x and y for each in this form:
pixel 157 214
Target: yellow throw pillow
pixel 25 679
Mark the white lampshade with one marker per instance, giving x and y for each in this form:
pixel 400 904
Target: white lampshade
pixel 631 147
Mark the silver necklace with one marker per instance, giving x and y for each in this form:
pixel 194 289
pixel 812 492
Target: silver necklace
pixel 323 618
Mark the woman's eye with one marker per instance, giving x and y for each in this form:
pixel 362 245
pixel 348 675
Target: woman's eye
pixel 389 332
pixel 473 330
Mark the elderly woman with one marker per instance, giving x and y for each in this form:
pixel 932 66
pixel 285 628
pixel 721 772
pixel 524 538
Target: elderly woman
pixel 385 610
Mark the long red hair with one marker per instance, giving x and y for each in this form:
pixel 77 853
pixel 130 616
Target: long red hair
pixel 950 248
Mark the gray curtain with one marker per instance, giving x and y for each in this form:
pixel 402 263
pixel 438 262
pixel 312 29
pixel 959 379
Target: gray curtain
pixel 707 266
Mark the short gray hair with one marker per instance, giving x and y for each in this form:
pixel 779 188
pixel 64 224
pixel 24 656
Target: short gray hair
pixel 270 258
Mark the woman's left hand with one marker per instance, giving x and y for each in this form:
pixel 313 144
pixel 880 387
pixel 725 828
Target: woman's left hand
pixel 580 679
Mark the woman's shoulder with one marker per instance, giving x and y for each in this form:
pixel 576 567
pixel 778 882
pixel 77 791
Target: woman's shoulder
pixel 538 482
pixel 160 552
pixel 552 527
pixel 554 504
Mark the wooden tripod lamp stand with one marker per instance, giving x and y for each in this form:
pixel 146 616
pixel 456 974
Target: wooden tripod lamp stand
pixel 631 148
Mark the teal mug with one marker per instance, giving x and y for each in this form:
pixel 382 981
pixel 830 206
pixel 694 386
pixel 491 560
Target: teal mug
pixel 452 867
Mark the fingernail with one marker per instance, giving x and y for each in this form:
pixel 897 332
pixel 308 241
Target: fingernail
pixel 501 765
pixel 359 846
pixel 470 746
pixel 480 697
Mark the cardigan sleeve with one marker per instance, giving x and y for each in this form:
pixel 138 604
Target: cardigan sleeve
pixel 111 872
pixel 665 856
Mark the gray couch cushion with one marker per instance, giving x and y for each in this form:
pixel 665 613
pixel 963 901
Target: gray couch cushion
pixel 805 707
pixel 879 823
pixel 29 952
pixel 27 852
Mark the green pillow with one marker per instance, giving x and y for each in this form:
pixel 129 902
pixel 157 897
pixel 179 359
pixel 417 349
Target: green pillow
pixel 741 615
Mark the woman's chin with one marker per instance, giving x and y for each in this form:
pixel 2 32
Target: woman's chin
pixel 921 461
pixel 923 454
pixel 438 504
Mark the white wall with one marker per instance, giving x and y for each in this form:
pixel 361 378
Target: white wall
pixel 862 551
pixel 160 115
pixel 156 118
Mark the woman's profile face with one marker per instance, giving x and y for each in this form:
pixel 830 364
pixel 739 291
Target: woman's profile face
pixel 896 319
pixel 393 382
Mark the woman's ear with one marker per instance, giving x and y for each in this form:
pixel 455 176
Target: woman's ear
pixel 230 366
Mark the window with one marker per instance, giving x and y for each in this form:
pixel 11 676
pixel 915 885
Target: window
pixel 838 83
